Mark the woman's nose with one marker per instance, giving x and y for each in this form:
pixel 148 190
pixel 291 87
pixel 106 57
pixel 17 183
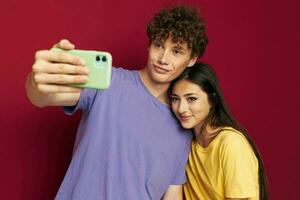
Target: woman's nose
pixel 182 107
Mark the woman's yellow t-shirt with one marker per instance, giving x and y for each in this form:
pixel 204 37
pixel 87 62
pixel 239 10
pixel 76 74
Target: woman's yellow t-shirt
pixel 228 168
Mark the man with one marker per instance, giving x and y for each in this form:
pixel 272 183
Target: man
pixel 128 145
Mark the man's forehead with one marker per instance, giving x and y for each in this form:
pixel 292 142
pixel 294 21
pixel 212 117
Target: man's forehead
pixel 181 44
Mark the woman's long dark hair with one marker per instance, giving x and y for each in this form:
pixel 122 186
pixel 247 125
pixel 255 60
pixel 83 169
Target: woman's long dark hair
pixel 219 116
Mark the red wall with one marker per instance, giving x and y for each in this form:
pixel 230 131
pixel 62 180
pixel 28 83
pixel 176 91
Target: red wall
pixel 253 47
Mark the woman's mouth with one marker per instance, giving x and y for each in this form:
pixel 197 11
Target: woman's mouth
pixel 184 118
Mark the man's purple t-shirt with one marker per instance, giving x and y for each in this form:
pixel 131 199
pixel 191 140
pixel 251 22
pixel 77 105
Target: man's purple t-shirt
pixel 128 146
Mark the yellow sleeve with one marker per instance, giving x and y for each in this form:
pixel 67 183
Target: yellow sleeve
pixel 240 167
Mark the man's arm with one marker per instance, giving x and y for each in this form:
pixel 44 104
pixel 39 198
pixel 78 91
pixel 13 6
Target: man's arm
pixel 47 84
pixel 174 192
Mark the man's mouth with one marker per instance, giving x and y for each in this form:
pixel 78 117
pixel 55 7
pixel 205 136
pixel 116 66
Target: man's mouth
pixel 160 69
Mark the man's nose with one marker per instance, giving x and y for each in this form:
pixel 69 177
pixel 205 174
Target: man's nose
pixel 163 58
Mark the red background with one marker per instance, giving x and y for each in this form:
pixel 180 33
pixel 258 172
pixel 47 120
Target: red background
pixel 253 47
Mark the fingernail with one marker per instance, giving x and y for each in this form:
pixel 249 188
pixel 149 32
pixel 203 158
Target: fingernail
pixel 87 70
pixel 84 79
pixel 82 62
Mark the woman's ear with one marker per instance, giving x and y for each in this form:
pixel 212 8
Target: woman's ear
pixel 192 61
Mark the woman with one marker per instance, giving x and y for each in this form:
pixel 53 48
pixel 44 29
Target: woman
pixel 223 163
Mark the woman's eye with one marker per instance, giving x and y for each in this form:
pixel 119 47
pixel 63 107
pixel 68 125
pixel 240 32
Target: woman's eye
pixel 192 99
pixel 174 99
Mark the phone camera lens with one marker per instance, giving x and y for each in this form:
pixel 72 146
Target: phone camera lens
pixel 98 58
pixel 104 59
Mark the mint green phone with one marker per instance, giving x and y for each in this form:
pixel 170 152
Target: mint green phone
pixel 99 64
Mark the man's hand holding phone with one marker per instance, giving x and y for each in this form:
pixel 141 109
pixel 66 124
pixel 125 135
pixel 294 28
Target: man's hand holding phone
pixel 52 72
pixel 99 64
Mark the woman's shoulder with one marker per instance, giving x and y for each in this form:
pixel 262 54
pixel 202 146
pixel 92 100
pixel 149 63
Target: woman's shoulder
pixel 232 137
pixel 234 146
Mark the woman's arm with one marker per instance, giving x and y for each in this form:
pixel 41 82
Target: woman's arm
pixel 174 192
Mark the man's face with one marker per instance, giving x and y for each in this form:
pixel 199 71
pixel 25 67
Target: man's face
pixel 167 60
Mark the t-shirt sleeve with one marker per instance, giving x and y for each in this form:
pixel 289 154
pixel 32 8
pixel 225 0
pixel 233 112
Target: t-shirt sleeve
pixel 84 103
pixel 240 167
pixel 180 175
pixel 88 96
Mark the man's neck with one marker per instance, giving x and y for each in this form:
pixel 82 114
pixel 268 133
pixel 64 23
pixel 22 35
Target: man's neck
pixel 158 90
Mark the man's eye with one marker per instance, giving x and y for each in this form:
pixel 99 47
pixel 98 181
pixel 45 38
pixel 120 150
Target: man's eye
pixel 177 52
pixel 157 44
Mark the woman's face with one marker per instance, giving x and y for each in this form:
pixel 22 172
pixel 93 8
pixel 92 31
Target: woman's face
pixel 190 104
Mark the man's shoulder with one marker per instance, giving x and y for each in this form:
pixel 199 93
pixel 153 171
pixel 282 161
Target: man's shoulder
pixel 122 70
pixel 122 74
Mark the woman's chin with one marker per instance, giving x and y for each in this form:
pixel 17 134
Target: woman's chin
pixel 186 126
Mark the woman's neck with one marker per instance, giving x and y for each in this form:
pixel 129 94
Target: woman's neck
pixel 205 136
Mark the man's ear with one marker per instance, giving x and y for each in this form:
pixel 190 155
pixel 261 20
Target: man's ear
pixel 192 61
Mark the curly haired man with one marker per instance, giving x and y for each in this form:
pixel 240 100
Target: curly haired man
pixel 128 145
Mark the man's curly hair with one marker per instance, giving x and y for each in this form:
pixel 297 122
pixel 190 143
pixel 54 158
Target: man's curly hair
pixel 183 24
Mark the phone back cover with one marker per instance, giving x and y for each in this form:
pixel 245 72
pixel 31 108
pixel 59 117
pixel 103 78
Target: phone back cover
pixel 99 71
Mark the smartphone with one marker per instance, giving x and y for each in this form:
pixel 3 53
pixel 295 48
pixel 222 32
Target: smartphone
pixel 99 64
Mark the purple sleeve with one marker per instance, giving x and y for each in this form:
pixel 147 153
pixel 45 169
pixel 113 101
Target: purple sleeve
pixel 180 175
pixel 86 99
pixel 84 103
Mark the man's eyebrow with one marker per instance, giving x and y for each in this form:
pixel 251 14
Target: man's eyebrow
pixel 158 40
pixel 180 47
